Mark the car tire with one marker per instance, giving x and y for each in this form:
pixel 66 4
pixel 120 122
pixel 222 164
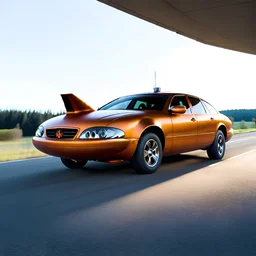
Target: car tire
pixel 218 147
pixel 73 164
pixel 147 162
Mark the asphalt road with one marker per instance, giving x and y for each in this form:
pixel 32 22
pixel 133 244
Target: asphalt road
pixel 191 206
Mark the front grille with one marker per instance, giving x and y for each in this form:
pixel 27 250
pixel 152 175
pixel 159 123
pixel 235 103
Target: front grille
pixel 61 133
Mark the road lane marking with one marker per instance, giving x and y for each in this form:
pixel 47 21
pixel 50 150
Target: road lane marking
pixel 233 157
pixel 23 160
pixel 233 141
pixel 245 153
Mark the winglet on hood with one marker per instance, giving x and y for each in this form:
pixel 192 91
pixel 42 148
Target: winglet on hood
pixel 75 105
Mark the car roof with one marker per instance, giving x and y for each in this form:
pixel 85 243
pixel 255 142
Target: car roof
pixel 162 93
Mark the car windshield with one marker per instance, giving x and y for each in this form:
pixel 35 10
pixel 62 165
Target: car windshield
pixel 137 102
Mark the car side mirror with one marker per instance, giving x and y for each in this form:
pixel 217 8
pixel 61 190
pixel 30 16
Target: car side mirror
pixel 178 110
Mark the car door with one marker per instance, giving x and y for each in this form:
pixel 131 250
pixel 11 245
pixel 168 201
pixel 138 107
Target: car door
pixel 184 127
pixel 206 124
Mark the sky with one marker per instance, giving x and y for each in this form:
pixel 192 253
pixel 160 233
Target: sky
pixel 98 53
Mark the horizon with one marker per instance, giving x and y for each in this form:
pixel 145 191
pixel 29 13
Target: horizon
pixel 99 53
pixel 64 111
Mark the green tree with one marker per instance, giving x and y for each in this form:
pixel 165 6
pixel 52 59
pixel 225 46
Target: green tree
pixel 28 120
pixel 240 114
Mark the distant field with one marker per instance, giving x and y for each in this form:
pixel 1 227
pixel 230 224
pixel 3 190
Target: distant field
pixel 18 149
pixel 237 125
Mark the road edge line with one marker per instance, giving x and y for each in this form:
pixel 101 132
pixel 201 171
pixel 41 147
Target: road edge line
pixel 233 157
pixel 23 160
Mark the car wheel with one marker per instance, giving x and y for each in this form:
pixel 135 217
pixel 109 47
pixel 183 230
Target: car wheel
pixel 218 147
pixel 148 155
pixel 73 164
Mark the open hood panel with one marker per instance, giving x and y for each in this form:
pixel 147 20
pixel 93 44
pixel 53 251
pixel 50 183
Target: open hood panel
pixel 228 24
pixel 75 105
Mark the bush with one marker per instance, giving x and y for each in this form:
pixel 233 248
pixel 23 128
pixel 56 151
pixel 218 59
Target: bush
pixel 12 134
pixel 243 125
pixel 254 120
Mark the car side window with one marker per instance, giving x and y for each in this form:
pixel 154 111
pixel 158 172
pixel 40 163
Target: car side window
pixel 209 107
pixel 197 105
pixel 121 105
pixel 180 100
pixel 140 105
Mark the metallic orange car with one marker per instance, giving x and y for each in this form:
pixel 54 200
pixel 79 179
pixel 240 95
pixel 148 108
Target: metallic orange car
pixel 140 128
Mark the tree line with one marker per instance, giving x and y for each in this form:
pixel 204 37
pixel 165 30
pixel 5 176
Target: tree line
pixel 240 114
pixel 28 121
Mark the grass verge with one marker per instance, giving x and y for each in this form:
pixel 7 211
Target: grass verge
pixel 18 149
pixel 244 130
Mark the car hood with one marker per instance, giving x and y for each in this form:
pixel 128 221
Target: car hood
pixel 86 120
pixel 110 114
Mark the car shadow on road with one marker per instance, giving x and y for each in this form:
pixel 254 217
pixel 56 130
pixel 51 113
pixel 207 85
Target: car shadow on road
pixel 105 173
pixel 126 182
pixel 98 168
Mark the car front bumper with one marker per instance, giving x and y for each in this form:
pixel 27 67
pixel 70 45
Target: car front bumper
pixel 230 133
pixel 102 150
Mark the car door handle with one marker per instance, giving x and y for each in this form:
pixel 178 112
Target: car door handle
pixel 193 119
pixel 212 119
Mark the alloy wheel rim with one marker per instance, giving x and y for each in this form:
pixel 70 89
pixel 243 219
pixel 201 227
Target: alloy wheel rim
pixel 220 145
pixel 151 153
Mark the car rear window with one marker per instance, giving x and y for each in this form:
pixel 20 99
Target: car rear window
pixel 209 107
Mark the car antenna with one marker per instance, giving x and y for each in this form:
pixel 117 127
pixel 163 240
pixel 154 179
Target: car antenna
pixel 156 89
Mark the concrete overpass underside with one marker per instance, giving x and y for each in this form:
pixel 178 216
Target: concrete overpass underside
pixel 229 24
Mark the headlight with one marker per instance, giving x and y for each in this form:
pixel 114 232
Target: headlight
pixel 40 131
pixel 102 133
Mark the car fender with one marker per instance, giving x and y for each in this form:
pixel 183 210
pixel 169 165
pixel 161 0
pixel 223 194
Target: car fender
pixel 219 125
pixel 144 124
